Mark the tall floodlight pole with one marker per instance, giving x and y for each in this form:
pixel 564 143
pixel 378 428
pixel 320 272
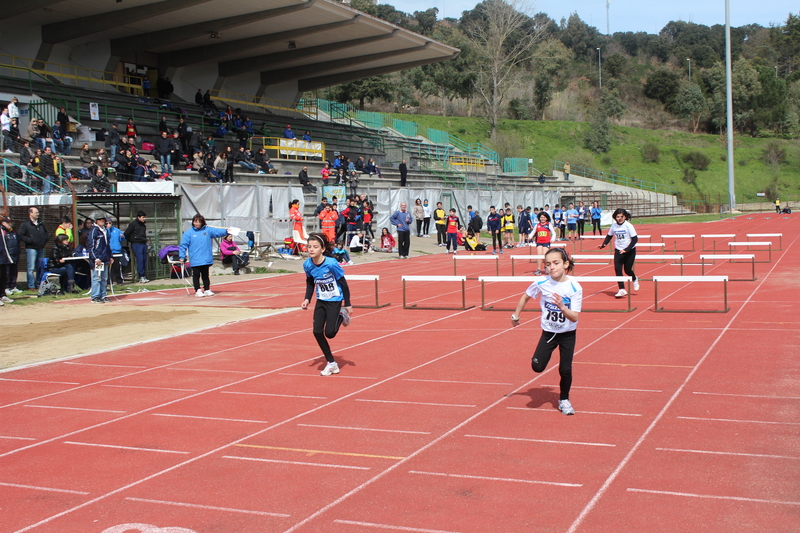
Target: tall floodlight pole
pixel 599 69
pixel 690 68
pixel 608 18
pixel 729 98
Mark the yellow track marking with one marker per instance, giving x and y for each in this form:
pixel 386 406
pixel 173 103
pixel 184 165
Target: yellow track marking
pixel 315 452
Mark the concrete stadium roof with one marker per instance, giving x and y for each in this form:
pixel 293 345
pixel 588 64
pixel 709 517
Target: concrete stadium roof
pixel 315 42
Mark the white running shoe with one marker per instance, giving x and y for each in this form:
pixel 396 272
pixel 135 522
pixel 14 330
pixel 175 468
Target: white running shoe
pixel 209 293
pixel 345 314
pixel 6 299
pixel 621 293
pixel 455 252
pixel 565 407
pixel 636 285
pixel 200 293
pixel 330 368
pixel 9 292
pixel 16 291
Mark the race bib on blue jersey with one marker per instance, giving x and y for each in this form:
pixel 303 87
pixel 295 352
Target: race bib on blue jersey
pixel 327 288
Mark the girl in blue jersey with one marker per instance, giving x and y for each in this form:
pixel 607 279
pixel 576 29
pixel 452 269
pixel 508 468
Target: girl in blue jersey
pixel 325 277
pixel 560 299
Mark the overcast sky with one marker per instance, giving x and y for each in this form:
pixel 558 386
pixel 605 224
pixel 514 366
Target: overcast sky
pixel 633 15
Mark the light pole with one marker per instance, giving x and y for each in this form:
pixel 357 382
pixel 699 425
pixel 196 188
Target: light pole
pixel 599 69
pixel 729 105
pixel 690 68
pixel 776 71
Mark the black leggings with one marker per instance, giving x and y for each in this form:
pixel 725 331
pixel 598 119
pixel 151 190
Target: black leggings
pixel 198 271
pixel 596 226
pixel 419 227
pixel 581 227
pixel 547 343
pixel 426 226
pixel 497 239
pixel 441 234
pixel 326 325
pixel 624 260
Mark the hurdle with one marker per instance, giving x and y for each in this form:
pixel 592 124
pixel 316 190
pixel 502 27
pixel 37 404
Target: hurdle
pixel 657 245
pixel 529 258
pixel 439 279
pixel 596 259
pixel 495 258
pixel 590 238
pixel 747 244
pixel 692 279
pixel 675 238
pixel 729 257
pixel 530 279
pixel 771 235
pixel 661 258
pixel 374 278
pixel 714 237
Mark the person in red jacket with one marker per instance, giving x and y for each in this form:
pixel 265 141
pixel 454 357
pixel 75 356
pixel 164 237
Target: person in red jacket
pixel 453 223
pixel 298 225
pixel 388 244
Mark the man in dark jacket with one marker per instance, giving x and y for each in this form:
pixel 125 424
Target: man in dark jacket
pixel 34 235
pixel 100 259
pixel 136 234
pixel 165 147
pixel 112 141
pixel 47 167
pixel 403 173
pixel 305 182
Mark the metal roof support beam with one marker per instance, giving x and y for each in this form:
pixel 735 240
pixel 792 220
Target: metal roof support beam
pixel 13 9
pixel 250 64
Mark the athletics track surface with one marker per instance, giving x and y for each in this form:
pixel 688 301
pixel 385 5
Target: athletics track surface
pixel 685 422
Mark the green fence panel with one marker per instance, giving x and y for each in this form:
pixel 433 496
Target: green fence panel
pixel 613 178
pixel 438 136
pixel 370 119
pixel 405 128
pixel 517 166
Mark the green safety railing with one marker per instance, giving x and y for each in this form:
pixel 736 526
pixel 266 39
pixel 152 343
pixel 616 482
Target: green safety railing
pixel 15 185
pixel 438 136
pixel 615 179
pixel 515 166
pixel 370 119
pixel 405 127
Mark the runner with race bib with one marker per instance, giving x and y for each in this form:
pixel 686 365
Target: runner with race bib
pixel 560 299
pixel 625 240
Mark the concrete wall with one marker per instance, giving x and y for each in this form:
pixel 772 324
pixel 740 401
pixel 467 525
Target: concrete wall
pixel 664 199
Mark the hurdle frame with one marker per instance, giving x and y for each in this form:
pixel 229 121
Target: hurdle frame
pixel 762 235
pixel 663 258
pixel 674 238
pixel 457 258
pixel 462 279
pixel 692 279
pixel 368 277
pixel 714 237
pixel 734 244
pixel 730 258
pixel 530 258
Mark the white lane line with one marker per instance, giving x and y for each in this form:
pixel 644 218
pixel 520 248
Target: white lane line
pixel 609 388
pixel 73 408
pixel 713 497
pixel 123 447
pixel 278 395
pixel 209 507
pixel 314 375
pixel 511 480
pixel 416 403
pixel 366 429
pixel 765 455
pixel 749 395
pixel 542 440
pixel 462 382
pixel 46 489
pixel 582 411
pixel 40 381
pixel 742 421
pixel 143 387
pixel 326 465
pixel 392 528
pixel 97 364
pixel 212 418
pixel 15 438
pixel 212 370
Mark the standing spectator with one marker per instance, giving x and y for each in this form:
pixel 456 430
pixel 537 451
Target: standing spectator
pixel 65 228
pixel 5 125
pixel 13 108
pixel 403 173
pixel 163 126
pixel 100 259
pixel 130 130
pixel 567 168
pixel 402 221
pixel 195 143
pixel 86 157
pixel 113 142
pixel 165 148
pixel 34 234
pixel 426 221
pixel 62 117
pixel 9 248
pixel 115 240
pixel 196 244
pixel 419 215
pixel 168 88
pixel 136 234
pixel 288 133
pixel 32 132
pixel 47 166
pixel 183 134
pixel 146 86
pixel 307 136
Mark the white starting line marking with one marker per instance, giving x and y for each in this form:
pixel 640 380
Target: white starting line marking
pixel 40 381
pixel 393 528
pixel 73 408
pixel 46 489
pixel 338 376
pixel 711 496
pixel 768 456
pixel 366 429
pixel 417 403
pixel 143 387
pixel 542 440
pixel 326 465
pixel 461 382
pixel 608 388
pixel 512 480
pixel 582 411
pixel 273 394
pixel 743 421
pixel 123 447
pixel 212 418
pixel 16 438
pixel 209 507
pixel 97 364
pixel 211 370
pixel 749 395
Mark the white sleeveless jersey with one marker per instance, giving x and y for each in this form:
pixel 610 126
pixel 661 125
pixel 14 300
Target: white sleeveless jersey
pixel 622 233
pixel 571 292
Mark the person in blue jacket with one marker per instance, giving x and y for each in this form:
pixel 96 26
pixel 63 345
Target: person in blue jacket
pixel 115 240
pixel 597 214
pixel 196 241
pixel 100 259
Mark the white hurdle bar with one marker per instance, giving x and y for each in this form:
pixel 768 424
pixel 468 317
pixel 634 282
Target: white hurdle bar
pixel 589 238
pixel 714 238
pixel 529 258
pixel 657 245
pixel 660 258
pixel 729 257
pixel 747 244
pixel 374 278
pixel 530 279
pixel 438 279
pixel 770 235
pixel 691 279
pixel 674 239
pixel 495 258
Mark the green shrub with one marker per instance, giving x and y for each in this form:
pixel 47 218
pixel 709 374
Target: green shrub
pixel 689 176
pixel 774 154
pixel 697 160
pixel 651 153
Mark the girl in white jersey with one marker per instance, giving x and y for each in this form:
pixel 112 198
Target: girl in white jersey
pixel 625 240
pixel 560 299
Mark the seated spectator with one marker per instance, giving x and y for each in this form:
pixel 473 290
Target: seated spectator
pixel 541 178
pixel 102 159
pixel 217 174
pixel 264 163
pixel 288 133
pixel 198 97
pixel 361 165
pixel 372 168
pixel 60 138
pixel 243 159
pixel 100 182
pixel 198 162
pixel 307 136
pixel 305 182
pixel 388 244
pixel 359 243
pixel 248 125
pixel 340 254
pixel 231 254
pixel 59 265
pixel 208 103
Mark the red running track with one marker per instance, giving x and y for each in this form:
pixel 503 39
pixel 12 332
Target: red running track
pixel 436 423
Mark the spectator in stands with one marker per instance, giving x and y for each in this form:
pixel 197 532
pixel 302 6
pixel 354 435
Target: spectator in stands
pixel 115 240
pixel 123 166
pixel 65 228
pixel 102 159
pixel 325 173
pixel 208 103
pixel 86 156
pixel 263 162
pixel 372 168
pixel 217 174
pixel 62 117
pixel 164 150
pixel 231 164
pixel 305 182
pixel 15 134
pixel 177 151
pixel 288 133
pixel 150 172
pixel 130 130
pixel 229 252
pixel 198 97
pixel 9 249
pixel 47 167
pixel 541 178
pixel 209 147
pixel 195 143
pixel 243 137
pixel 131 146
pixel 352 182
pixel 160 89
pixel 248 125
pixel 403 168
pixel 33 233
pixel 136 234
pixel 25 154
pixel 183 134
pixel 198 163
pixel 44 136
pixel 5 126
pixel 13 108
pixel 100 258
pixel 113 141
pixel 163 126
pixel 32 133
pixel 168 88
pixel 100 182
pixel 307 136
pixel 59 265
pixel 360 165
pixel 146 87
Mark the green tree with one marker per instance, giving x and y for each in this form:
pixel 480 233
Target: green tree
pixel 598 137
pixel 662 85
pixel 542 95
pixel 745 88
pixel 610 104
pixel 449 79
pixel 363 90
pixel 690 104
pixel 615 65
pixel 426 20
pixel 579 37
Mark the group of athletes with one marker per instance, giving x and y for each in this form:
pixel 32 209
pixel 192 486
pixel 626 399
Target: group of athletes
pixel 560 296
